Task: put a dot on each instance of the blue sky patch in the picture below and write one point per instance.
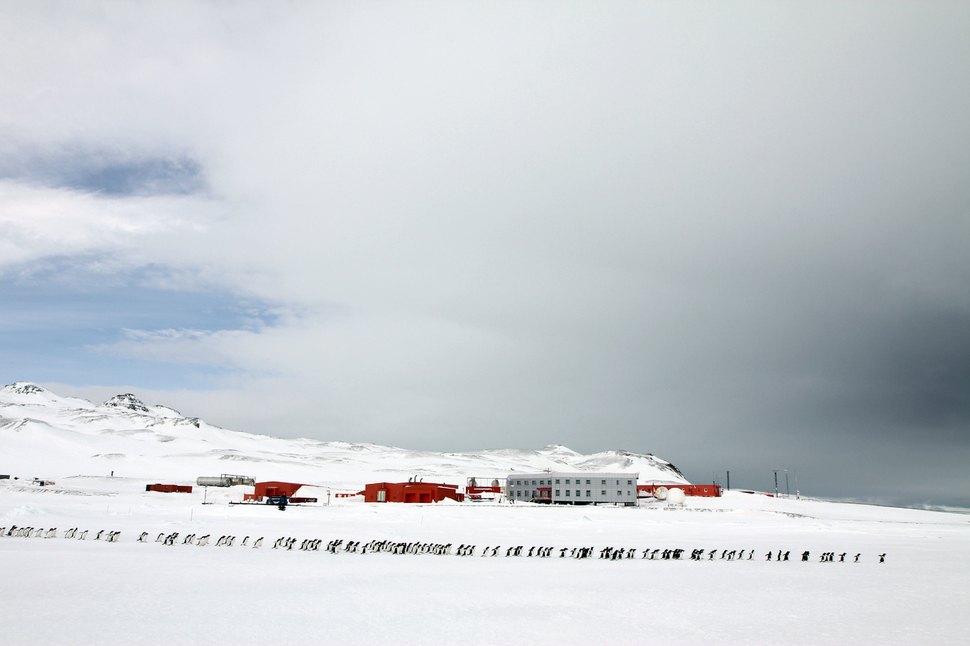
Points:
(53, 321)
(106, 172)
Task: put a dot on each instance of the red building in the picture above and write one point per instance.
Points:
(169, 488)
(411, 492)
(708, 490)
(274, 488)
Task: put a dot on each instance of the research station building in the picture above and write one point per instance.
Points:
(573, 488)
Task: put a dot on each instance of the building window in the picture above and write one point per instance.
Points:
(603, 493)
(557, 493)
(629, 482)
(518, 494)
(628, 492)
(617, 483)
(577, 493)
(587, 482)
(567, 493)
(542, 482)
(533, 483)
(557, 482)
(567, 481)
(619, 494)
(588, 493)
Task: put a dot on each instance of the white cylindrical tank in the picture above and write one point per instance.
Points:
(676, 496)
(660, 493)
(206, 481)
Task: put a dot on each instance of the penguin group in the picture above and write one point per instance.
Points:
(399, 547)
(35, 532)
(28, 532)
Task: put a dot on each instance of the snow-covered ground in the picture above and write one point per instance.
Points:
(71, 591)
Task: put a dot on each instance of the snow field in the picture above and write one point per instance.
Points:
(89, 592)
(70, 592)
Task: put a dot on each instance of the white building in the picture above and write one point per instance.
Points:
(573, 488)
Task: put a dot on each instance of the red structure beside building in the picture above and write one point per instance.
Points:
(474, 488)
(708, 490)
(274, 488)
(411, 492)
(169, 488)
(475, 493)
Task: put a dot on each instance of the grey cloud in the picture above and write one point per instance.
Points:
(735, 237)
(916, 375)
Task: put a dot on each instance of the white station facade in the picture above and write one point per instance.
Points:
(573, 488)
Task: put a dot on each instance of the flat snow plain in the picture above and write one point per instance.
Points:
(69, 591)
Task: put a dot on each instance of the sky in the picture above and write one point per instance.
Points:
(733, 235)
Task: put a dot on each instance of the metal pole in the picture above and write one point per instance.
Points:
(729, 481)
(787, 494)
(776, 482)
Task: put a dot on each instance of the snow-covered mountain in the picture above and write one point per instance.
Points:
(45, 435)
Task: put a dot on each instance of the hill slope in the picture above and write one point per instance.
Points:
(48, 436)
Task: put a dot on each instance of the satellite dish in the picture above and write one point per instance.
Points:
(660, 493)
(472, 483)
(495, 483)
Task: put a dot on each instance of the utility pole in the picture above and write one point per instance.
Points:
(787, 494)
(776, 482)
(729, 481)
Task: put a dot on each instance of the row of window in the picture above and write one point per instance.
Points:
(543, 482)
(589, 494)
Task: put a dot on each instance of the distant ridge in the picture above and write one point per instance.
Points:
(49, 436)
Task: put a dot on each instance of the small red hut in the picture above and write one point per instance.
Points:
(275, 488)
(169, 488)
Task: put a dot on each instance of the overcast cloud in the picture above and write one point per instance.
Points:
(734, 235)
